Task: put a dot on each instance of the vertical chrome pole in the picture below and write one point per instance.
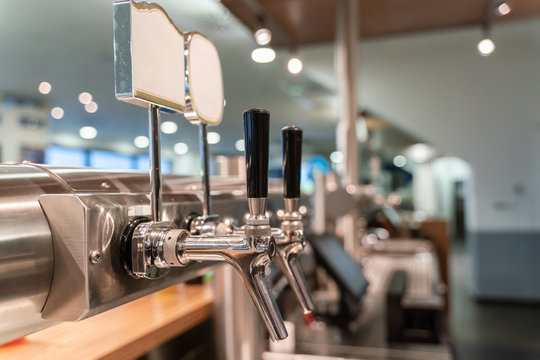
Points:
(155, 162)
(205, 171)
(318, 225)
(345, 60)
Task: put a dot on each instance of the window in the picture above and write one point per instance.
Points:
(142, 162)
(62, 156)
(100, 159)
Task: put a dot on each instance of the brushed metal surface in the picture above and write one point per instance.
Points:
(239, 332)
(83, 223)
(82, 212)
(26, 254)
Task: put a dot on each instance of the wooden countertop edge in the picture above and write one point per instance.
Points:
(144, 344)
(171, 312)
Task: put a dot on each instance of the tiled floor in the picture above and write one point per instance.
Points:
(489, 330)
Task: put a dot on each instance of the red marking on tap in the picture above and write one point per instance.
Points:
(16, 341)
(308, 316)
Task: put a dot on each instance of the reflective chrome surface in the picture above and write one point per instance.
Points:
(26, 250)
(257, 223)
(205, 169)
(155, 161)
(290, 243)
(53, 223)
(257, 207)
(83, 223)
(288, 249)
(165, 247)
(210, 224)
(239, 332)
(249, 256)
(291, 206)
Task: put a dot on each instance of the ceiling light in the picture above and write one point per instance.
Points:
(263, 36)
(57, 112)
(91, 107)
(362, 132)
(213, 137)
(486, 47)
(85, 98)
(88, 132)
(400, 161)
(504, 9)
(168, 127)
(336, 157)
(141, 142)
(263, 55)
(295, 65)
(240, 145)
(44, 87)
(181, 148)
(420, 153)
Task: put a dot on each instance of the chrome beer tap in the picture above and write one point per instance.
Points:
(159, 246)
(290, 239)
(181, 73)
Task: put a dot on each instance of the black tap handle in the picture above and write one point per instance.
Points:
(291, 140)
(256, 134)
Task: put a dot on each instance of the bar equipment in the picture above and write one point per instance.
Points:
(154, 247)
(197, 64)
(160, 245)
(99, 238)
(290, 238)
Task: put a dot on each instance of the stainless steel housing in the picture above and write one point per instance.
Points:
(290, 243)
(60, 244)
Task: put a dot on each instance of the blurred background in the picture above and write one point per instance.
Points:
(448, 125)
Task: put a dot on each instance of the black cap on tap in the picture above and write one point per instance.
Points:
(256, 138)
(291, 139)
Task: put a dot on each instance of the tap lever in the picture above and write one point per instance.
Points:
(257, 229)
(291, 241)
(256, 133)
(291, 138)
(258, 287)
(289, 246)
(248, 255)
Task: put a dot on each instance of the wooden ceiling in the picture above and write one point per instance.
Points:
(313, 21)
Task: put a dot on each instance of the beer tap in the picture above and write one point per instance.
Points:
(158, 246)
(290, 238)
(158, 66)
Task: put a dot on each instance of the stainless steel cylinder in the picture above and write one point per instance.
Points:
(26, 249)
(28, 252)
(40, 236)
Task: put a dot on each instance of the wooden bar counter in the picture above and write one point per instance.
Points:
(126, 332)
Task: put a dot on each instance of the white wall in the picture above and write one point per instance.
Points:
(485, 110)
(446, 171)
(425, 196)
